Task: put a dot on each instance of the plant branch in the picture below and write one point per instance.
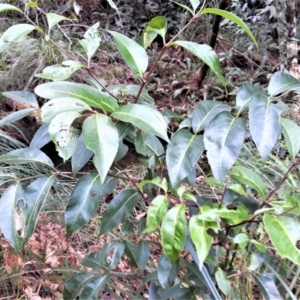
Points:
(145, 80)
(97, 80)
(213, 38)
(293, 167)
(271, 194)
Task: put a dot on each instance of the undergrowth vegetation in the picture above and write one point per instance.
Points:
(137, 199)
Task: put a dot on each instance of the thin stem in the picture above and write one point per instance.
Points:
(98, 81)
(144, 80)
(128, 178)
(232, 257)
(279, 184)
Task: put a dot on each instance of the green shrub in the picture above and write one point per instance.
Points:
(231, 242)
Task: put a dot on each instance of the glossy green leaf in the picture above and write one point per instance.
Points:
(282, 82)
(164, 272)
(159, 25)
(122, 151)
(23, 97)
(200, 238)
(81, 156)
(189, 196)
(15, 33)
(205, 111)
(241, 239)
(83, 202)
(237, 188)
(127, 228)
(195, 4)
(62, 105)
(63, 135)
(41, 137)
(186, 123)
(16, 116)
(231, 216)
(100, 135)
(149, 162)
(206, 54)
(75, 283)
(223, 139)
(107, 258)
(153, 144)
(159, 182)
(143, 251)
(259, 246)
(4, 7)
(232, 17)
(182, 154)
(12, 219)
(92, 290)
(32, 4)
(282, 281)
(173, 232)
(140, 146)
(222, 281)
(53, 19)
(108, 185)
(267, 286)
(143, 117)
(256, 260)
(176, 291)
(89, 95)
(60, 71)
(247, 177)
(118, 209)
(184, 7)
(133, 54)
(148, 144)
(147, 38)
(291, 133)
(113, 5)
(131, 252)
(156, 212)
(25, 156)
(264, 123)
(245, 94)
(91, 41)
(36, 194)
(284, 233)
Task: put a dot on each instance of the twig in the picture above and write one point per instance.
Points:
(215, 30)
(271, 194)
(98, 81)
(293, 167)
